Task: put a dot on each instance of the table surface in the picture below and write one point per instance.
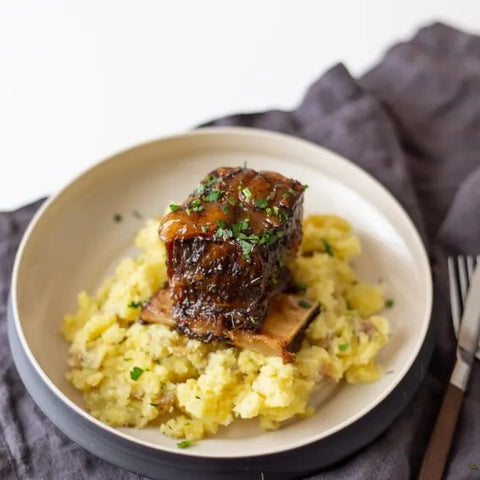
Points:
(82, 80)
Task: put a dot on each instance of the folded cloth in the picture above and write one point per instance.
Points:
(413, 122)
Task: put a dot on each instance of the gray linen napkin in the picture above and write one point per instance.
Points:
(414, 123)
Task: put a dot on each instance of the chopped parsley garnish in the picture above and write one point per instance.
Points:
(301, 286)
(134, 304)
(247, 192)
(231, 201)
(200, 189)
(197, 205)
(473, 466)
(117, 218)
(304, 304)
(285, 195)
(222, 230)
(292, 192)
(136, 373)
(174, 207)
(282, 216)
(240, 226)
(204, 228)
(240, 204)
(197, 397)
(269, 211)
(304, 187)
(225, 209)
(343, 347)
(276, 211)
(269, 237)
(214, 195)
(244, 164)
(184, 444)
(127, 359)
(247, 248)
(211, 180)
(188, 211)
(154, 404)
(327, 248)
(261, 203)
(273, 281)
(389, 303)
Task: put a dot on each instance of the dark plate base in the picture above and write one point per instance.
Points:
(162, 465)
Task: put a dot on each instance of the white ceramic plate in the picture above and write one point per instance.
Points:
(73, 241)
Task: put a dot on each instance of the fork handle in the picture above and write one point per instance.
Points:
(438, 448)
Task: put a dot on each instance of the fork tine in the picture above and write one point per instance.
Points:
(462, 276)
(454, 297)
(470, 268)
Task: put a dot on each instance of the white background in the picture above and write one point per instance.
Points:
(80, 80)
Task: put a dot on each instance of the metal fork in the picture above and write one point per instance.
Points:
(460, 271)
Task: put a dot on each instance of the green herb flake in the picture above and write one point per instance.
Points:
(164, 285)
(276, 211)
(174, 207)
(343, 347)
(301, 286)
(214, 195)
(136, 373)
(239, 227)
(273, 281)
(204, 228)
(127, 359)
(304, 304)
(389, 303)
(197, 397)
(247, 248)
(292, 192)
(231, 201)
(200, 189)
(117, 218)
(473, 466)
(269, 211)
(247, 192)
(327, 248)
(188, 211)
(221, 223)
(225, 209)
(244, 164)
(184, 444)
(154, 404)
(134, 304)
(261, 203)
(211, 180)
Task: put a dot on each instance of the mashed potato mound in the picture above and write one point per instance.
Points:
(132, 374)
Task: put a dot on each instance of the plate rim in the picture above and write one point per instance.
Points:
(245, 131)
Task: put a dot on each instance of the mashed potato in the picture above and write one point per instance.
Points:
(132, 374)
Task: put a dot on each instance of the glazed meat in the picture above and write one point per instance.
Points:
(228, 246)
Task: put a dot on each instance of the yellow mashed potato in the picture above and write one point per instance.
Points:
(133, 374)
